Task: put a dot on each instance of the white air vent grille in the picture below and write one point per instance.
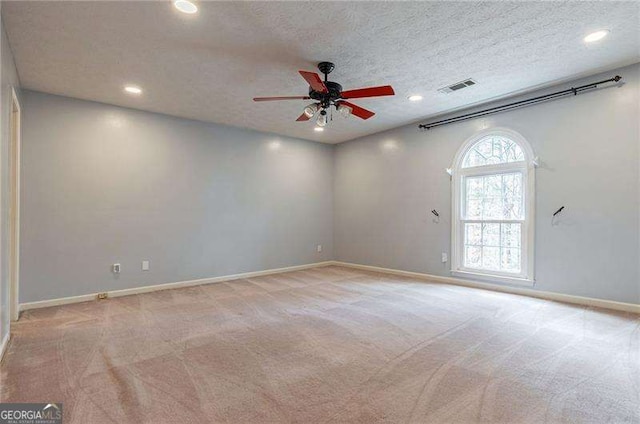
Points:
(458, 86)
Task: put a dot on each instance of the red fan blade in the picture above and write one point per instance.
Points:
(385, 90)
(358, 111)
(314, 81)
(268, 99)
(303, 117)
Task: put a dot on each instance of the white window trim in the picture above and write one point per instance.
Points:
(527, 167)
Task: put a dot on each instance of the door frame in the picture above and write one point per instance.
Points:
(15, 145)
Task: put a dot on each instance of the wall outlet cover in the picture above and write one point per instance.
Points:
(145, 265)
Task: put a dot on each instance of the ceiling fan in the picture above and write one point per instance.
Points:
(328, 93)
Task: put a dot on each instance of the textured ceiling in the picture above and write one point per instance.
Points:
(210, 65)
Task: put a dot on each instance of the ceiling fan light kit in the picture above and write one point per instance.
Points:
(311, 110)
(328, 93)
(344, 111)
(322, 118)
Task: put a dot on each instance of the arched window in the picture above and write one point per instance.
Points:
(493, 204)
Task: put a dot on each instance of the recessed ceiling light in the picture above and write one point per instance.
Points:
(595, 36)
(185, 6)
(132, 89)
(318, 129)
(415, 98)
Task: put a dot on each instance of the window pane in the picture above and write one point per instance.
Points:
(511, 260)
(491, 235)
(510, 235)
(474, 208)
(512, 189)
(493, 246)
(473, 257)
(492, 186)
(492, 150)
(491, 258)
(494, 197)
(475, 187)
(492, 208)
(473, 234)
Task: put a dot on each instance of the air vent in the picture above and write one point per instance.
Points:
(458, 86)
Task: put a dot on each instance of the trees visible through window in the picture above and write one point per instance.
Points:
(493, 150)
(492, 207)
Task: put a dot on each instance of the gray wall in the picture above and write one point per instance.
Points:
(8, 78)
(103, 184)
(386, 185)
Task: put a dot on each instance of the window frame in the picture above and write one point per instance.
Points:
(458, 176)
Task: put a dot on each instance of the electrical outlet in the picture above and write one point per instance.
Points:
(445, 257)
(145, 265)
(102, 296)
(319, 248)
(115, 268)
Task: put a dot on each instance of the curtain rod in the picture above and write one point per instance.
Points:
(573, 90)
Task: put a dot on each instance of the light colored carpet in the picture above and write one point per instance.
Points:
(327, 345)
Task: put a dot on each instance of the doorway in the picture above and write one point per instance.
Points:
(14, 206)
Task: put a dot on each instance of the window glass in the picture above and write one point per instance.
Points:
(492, 230)
(493, 246)
(494, 197)
(493, 150)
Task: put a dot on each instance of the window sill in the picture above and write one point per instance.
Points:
(489, 278)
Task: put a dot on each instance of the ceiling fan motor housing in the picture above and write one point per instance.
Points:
(334, 89)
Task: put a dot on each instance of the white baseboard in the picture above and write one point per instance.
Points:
(4, 344)
(587, 301)
(166, 286)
